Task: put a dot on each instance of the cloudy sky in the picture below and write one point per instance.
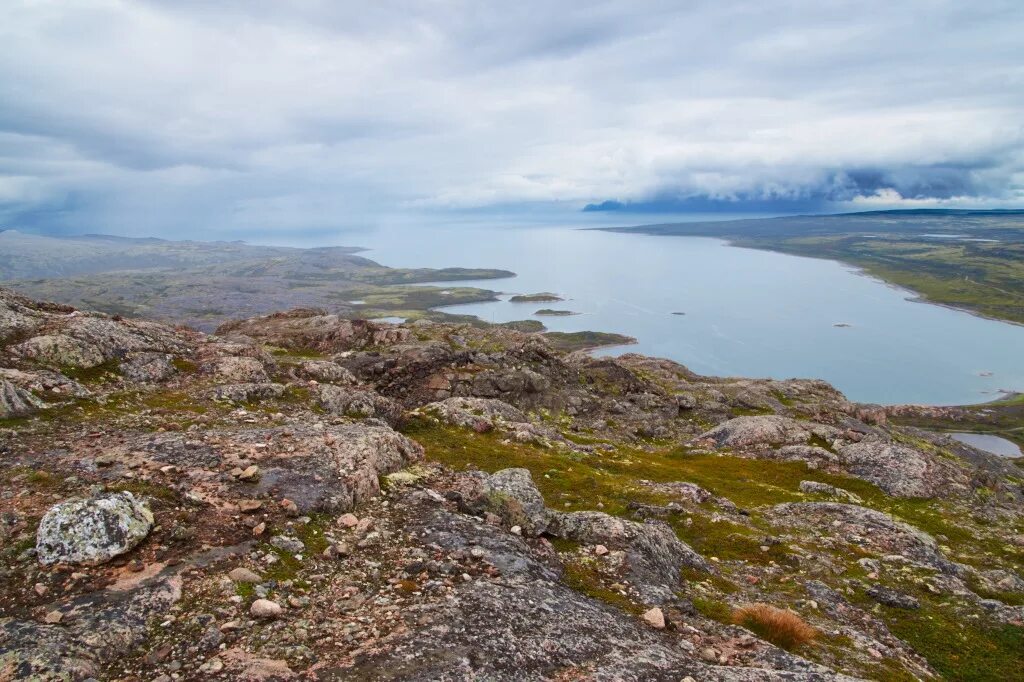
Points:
(241, 117)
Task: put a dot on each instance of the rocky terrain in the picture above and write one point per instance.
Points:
(204, 284)
(305, 496)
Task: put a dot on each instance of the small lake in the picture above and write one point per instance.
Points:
(994, 444)
(745, 312)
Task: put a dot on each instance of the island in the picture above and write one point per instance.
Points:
(543, 297)
(555, 313)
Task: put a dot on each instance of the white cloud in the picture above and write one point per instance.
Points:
(146, 115)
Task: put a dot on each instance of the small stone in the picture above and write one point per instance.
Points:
(287, 544)
(516, 530)
(708, 654)
(348, 520)
(250, 473)
(289, 507)
(53, 617)
(600, 550)
(336, 551)
(244, 575)
(40, 589)
(249, 506)
(258, 529)
(264, 608)
(655, 618)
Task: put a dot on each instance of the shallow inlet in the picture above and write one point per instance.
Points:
(748, 313)
(989, 443)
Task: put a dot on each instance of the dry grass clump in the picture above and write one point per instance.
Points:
(780, 627)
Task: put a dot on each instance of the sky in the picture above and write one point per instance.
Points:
(244, 117)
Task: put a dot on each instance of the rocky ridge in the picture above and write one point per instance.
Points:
(306, 496)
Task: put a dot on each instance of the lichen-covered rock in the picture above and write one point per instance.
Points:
(147, 368)
(814, 487)
(240, 370)
(90, 339)
(512, 494)
(44, 381)
(327, 372)
(471, 413)
(92, 531)
(867, 529)
(333, 469)
(239, 393)
(357, 402)
(654, 553)
(901, 471)
(16, 401)
(766, 429)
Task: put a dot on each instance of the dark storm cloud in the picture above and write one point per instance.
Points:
(255, 116)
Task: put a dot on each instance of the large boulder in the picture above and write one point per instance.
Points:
(768, 429)
(902, 471)
(654, 553)
(147, 368)
(331, 469)
(359, 402)
(240, 370)
(92, 531)
(875, 531)
(327, 372)
(512, 494)
(474, 413)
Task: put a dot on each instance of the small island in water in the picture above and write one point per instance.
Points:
(555, 313)
(543, 297)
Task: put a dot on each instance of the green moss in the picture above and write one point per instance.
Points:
(145, 489)
(959, 648)
(715, 609)
(102, 373)
(584, 578)
(184, 366)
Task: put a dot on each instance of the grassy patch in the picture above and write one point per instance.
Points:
(102, 373)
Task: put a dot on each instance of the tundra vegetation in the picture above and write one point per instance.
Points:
(304, 493)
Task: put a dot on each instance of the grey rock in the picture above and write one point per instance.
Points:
(239, 393)
(288, 544)
(358, 402)
(894, 598)
(147, 368)
(654, 553)
(830, 490)
(327, 371)
(512, 494)
(766, 430)
(92, 531)
(901, 471)
(16, 401)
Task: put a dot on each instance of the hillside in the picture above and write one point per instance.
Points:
(204, 284)
(972, 260)
(302, 495)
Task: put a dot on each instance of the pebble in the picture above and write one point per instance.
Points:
(264, 608)
(53, 617)
(600, 550)
(244, 575)
(348, 520)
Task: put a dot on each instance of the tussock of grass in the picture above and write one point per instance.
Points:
(780, 627)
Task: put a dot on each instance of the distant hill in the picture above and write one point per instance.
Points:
(964, 258)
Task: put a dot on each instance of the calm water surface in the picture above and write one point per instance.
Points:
(747, 312)
(988, 443)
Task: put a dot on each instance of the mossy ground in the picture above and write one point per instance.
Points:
(611, 480)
